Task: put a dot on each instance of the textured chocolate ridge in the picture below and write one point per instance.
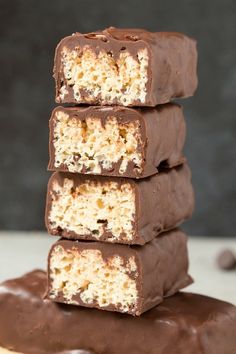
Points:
(171, 69)
(183, 324)
(163, 132)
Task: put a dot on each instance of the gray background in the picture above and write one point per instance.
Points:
(29, 32)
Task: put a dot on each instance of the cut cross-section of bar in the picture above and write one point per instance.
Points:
(92, 207)
(84, 274)
(116, 277)
(125, 67)
(116, 141)
(119, 210)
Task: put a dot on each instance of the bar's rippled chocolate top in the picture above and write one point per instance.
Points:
(183, 324)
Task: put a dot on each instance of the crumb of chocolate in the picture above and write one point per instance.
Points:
(226, 260)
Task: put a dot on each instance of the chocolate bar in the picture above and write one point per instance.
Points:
(117, 277)
(116, 141)
(119, 210)
(128, 67)
(183, 324)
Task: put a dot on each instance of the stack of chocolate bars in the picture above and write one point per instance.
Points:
(121, 185)
(120, 188)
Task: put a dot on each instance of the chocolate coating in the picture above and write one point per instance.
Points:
(183, 324)
(226, 260)
(163, 132)
(157, 278)
(163, 202)
(6, 351)
(171, 69)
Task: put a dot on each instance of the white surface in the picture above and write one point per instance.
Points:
(22, 252)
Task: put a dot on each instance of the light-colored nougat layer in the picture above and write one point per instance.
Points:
(6, 351)
(97, 280)
(93, 208)
(91, 145)
(122, 80)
